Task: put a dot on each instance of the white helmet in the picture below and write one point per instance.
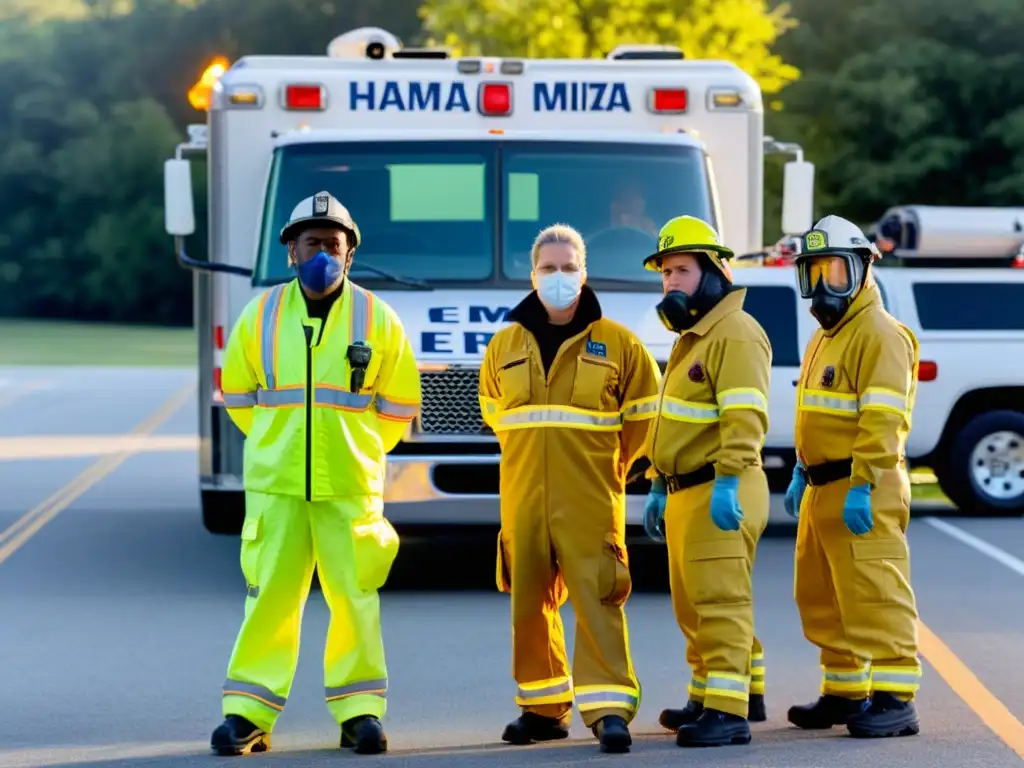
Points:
(834, 254)
(321, 208)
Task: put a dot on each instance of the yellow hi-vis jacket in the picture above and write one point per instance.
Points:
(714, 402)
(857, 388)
(307, 434)
(568, 438)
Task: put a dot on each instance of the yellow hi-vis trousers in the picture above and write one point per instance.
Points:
(854, 593)
(352, 546)
(579, 553)
(710, 577)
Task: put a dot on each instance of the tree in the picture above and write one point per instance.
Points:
(741, 31)
(909, 101)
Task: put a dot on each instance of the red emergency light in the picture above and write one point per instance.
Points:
(305, 97)
(495, 99)
(668, 100)
(927, 371)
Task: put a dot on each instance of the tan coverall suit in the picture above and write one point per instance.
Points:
(712, 421)
(857, 390)
(567, 440)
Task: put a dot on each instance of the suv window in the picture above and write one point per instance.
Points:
(774, 307)
(970, 306)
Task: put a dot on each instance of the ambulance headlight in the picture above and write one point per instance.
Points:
(375, 50)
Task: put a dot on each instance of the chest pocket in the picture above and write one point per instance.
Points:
(514, 380)
(595, 378)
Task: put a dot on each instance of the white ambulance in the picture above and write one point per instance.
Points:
(450, 167)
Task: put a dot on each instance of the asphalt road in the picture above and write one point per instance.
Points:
(119, 611)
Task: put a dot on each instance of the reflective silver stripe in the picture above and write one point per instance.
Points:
(268, 346)
(606, 697)
(557, 418)
(830, 403)
(252, 591)
(884, 400)
(742, 399)
(848, 677)
(360, 313)
(908, 678)
(395, 410)
(697, 685)
(717, 683)
(549, 690)
(239, 400)
(649, 408)
(371, 687)
(689, 411)
(274, 397)
(756, 661)
(342, 398)
(258, 692)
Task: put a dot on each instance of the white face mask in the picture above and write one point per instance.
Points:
(559, 289)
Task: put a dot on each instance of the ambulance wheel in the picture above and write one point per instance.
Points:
(223, 512)
(985, 473)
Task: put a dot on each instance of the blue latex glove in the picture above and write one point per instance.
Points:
(654, 510)
(725, 509)
(795, 491)
(857, 510)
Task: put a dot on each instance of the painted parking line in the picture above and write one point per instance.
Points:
(25, 527)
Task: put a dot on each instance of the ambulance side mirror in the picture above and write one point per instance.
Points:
(797, 197)
(179, 209)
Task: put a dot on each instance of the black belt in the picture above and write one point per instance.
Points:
(829, 472)
(675, 483)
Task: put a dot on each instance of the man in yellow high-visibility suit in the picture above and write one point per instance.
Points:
(569, 394)
(856, 394)
(709, 493)
(321, 378)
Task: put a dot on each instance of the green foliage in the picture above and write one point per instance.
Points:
(742, 31)
(908, 101)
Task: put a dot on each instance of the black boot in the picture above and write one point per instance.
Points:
(714, 729)
(674, 719)
(827, 711)
(530, 727)
(887, 716)
(613, 733)
(237, 736)
(364, 734)
(756, 712)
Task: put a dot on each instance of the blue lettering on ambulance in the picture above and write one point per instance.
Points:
(473, 342)
(408, 97)
(580, 97)
(488, 314)
(443, 314)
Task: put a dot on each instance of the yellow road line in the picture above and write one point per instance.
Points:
(968, 687)
(25, 527)
(8, 396)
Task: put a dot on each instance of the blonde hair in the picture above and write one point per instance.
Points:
(560, 233)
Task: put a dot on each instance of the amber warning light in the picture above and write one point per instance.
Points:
(199, 94)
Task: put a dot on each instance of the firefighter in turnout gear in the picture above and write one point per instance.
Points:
(321, 378)
(569, 395)
(851, 491)
(709, 493)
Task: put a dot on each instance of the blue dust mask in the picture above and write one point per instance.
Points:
(320, 272)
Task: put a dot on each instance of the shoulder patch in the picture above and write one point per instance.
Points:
(597, 349)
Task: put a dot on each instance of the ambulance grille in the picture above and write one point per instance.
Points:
(451, 406)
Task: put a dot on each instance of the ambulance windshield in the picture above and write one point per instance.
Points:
(457, 213)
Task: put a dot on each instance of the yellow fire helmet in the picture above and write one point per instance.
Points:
(688, 234)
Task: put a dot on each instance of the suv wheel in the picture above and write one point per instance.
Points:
(985, 473)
